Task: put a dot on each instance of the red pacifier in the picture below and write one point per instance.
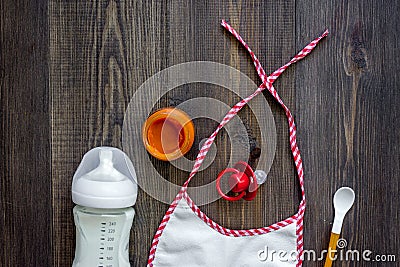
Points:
(242, 181)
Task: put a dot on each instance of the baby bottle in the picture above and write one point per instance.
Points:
(104, 189)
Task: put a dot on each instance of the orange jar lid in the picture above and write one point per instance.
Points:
(168, 134)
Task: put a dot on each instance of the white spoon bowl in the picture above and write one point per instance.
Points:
(342, 201)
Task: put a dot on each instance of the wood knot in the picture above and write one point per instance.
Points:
(356, 60)
(255, 153)
(357, 53)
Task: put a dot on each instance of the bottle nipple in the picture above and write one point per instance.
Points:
(105, 172)
(105, 179)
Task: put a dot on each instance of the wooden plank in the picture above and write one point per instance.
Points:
(347, 100)
(96, 49)
(25, 192)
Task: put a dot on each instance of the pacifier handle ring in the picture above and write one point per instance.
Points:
(218, 185)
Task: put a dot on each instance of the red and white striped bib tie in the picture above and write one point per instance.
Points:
(267, 83)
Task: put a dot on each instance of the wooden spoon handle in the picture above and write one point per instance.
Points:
(331, 249)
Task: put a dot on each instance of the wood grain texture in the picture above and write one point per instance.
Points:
(25, 188)
(69, 69)
(347, 95)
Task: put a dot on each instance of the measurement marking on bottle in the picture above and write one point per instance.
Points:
(107, 243)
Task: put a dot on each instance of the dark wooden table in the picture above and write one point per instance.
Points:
(68, 70)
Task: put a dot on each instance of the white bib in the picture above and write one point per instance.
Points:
(187, 237)
(208, 247)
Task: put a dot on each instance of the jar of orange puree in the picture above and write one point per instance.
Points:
(168, 134)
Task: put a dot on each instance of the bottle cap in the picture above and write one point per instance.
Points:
(105, 178)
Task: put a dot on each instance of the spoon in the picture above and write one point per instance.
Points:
(342, 201)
